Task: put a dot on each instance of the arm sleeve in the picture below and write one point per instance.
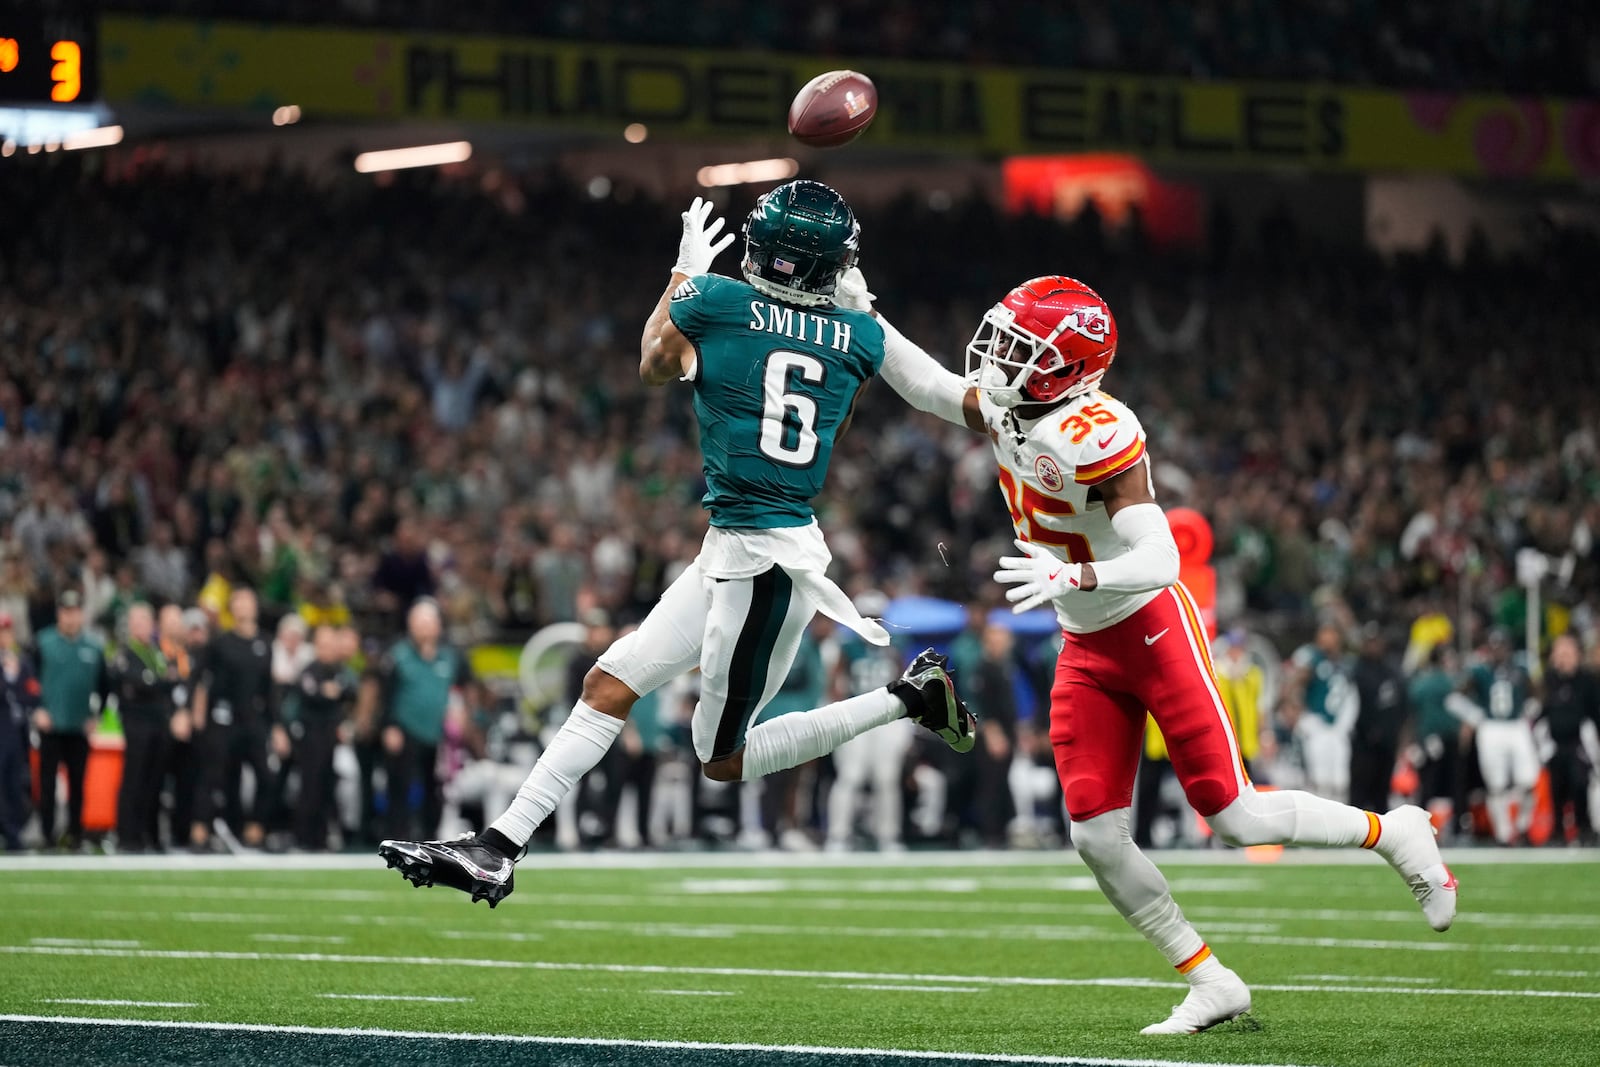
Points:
(1151, 561)
(920, 379)
(1459, 705)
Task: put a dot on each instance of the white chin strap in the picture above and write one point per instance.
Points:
(1001, 392)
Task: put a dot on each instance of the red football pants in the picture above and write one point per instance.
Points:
(1157, 659)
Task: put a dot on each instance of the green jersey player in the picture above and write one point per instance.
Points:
(776, 368)
(1497, 701)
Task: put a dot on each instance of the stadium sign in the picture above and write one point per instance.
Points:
(701, 93)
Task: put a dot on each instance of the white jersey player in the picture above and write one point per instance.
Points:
(1095, 546)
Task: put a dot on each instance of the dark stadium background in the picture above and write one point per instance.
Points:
(1351, 246)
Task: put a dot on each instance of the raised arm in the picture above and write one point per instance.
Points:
(665, 354)
(918, 378)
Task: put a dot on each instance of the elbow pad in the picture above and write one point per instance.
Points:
(1151, 561)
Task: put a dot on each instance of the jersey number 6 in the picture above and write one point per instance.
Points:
(789, 417)
(1027, 504)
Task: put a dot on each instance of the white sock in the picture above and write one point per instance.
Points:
(1499, 805)
(1294, 817)
(1163, 925)
(790, 740)
(580, 744)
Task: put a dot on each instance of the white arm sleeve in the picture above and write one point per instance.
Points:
(1462, 707)
(919, 378)
(1151, 561)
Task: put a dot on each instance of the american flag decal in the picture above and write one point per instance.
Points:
(783, 265)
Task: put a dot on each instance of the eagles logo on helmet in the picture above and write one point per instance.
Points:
(1049, 339)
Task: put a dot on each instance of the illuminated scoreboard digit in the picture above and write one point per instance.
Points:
(47, 61)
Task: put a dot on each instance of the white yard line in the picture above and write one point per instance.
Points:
(580, 1042)
(296, 939)
(905, 988)
(693, 992)
(121, 1003)
(94, 942)
(1520, 973)
(394, 996)
(1365, 978)
(692, 861)
(756, 972)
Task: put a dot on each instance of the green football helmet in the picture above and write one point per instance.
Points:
(798, 240)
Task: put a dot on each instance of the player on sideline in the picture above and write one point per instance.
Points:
(1095, 545)
(776, 368)
(1497, 701)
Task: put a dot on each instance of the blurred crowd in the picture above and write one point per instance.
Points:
(1489, 45)
(319, 403)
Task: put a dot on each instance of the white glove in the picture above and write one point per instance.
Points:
(851, 291)
(1038, 576)
(698, 247)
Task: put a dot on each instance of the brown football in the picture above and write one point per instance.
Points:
(833, 108)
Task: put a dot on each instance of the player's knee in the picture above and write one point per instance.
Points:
(1237, 824)
(606, 694)
(727, 769)
(1209, 795)
(1088, 797)
(1101, 840)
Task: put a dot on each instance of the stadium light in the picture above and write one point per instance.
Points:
(757, 170)
(99, 137)
(428, 155)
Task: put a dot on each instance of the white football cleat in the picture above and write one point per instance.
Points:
(1217, 1000)
(1407, 841)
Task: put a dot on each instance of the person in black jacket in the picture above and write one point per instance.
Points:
(1375, 739)
(142, 680)
(323, 699)
(19, 695)
(235, 716)
(1571, 695)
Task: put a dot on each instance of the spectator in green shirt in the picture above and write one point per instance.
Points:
(415, 679)
(1437, 749)
(72, 682)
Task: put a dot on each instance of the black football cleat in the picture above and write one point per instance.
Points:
(466, 864)
(931, 702)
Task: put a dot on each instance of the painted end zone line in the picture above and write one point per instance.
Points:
(606, 1042)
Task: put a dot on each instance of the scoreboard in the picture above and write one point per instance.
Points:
(47, 60)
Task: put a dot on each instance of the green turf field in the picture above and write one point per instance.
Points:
(1009, 956)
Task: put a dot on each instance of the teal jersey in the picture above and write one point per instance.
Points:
(1428, 692)
(1501, 691)
(418, 689)
(71, 672)
(1328, 687)
(773, 385)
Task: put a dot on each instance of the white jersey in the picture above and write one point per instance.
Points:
(1048, 466)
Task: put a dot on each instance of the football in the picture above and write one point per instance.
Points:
(833, 108)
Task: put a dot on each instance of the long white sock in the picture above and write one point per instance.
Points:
(580, 744)
(1499, 805)
(790, 740)
(1294, 817)
(1137, 889)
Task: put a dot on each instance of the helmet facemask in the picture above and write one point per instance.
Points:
(1015, 366)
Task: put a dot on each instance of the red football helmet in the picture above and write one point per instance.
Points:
(1050, 339)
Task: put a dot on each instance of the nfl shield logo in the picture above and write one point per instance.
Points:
(781, 264)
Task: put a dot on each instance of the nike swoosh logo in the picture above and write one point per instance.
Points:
(1152, 639)
(1103, 442)
(1053, 575)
